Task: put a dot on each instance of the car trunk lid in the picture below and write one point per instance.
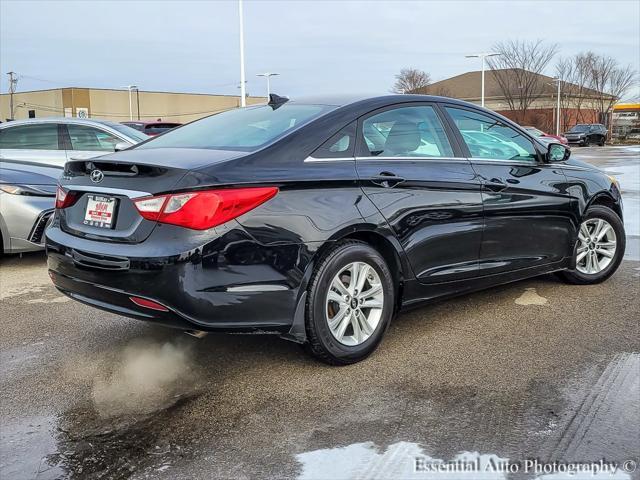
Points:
(105, 189)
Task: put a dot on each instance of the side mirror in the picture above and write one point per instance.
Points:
(121, 146)
(557, 153)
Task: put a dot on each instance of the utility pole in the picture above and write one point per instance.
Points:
(482, 56)
(243, 99)
(13, 83)
(268, 76)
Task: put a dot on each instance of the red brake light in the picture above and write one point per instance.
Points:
(65, 198)
(143, 302)
(205, 209)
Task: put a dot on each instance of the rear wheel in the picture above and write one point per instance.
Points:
(600, 247)
(349, 304)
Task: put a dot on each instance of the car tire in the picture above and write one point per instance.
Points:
(602, 142)
(361, 336)
(582, 274)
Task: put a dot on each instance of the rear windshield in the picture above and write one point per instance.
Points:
(244, 129)
(128, 131)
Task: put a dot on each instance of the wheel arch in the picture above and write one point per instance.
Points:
(605, 199)
(382, 240)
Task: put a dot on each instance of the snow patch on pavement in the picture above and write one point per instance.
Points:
(530, 297)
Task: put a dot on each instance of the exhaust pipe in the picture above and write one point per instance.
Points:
(196, 333)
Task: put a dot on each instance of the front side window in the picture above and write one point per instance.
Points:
(42, 136)
(243, 129)
(489, 138)
(414, 131)
(91, 139)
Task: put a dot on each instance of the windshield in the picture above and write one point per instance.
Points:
(244, 129)
(128, 131)
(580, 128)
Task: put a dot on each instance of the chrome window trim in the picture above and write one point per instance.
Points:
(429, 159)
(113, 191)
(504, 161)
(335, 159)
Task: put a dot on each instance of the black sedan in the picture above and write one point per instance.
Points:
(319, 220)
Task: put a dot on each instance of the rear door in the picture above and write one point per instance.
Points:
(526, 208)
(407, 166)
(33, 142)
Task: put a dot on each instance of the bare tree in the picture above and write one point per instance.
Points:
(410, 79)
(610, 82)
(517, 71)
(574, 73)
(594, 82)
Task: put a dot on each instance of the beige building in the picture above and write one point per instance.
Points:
(113, 105)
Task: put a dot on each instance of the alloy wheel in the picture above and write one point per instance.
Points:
(354, 303)
(597, 245)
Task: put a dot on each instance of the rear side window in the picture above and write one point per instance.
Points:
(243, 129)
(91, 139)
(339, 145)
(42, 136)
(406, 132)
(489, 138)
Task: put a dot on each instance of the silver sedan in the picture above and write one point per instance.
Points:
(53, 141)
(27, 200)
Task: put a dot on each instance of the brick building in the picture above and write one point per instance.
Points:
(577, 105)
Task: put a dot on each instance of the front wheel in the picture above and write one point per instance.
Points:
(600, 247)
(349, 304)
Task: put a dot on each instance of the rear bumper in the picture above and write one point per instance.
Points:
(231, 283)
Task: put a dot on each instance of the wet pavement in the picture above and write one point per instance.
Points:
(501, 383)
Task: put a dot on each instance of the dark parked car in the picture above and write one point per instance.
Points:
(587, 134)
(152, 128)
(318, 220)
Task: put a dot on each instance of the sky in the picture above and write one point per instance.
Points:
(317, 47)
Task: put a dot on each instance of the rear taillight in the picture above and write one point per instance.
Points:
(65, 198)
(203, 209)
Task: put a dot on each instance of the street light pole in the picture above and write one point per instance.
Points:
(558, 109)
(130, 88)
(243, 100)
(482, 56)
(268, 76)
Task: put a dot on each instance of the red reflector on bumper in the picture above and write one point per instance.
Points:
(143, 302)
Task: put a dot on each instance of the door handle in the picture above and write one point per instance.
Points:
(387, 179)
(495, 185)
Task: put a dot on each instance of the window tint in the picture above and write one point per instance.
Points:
(42, 136)
(91, 139)
(406, 132)
(338, 146)
(489, 138)
(244, 129)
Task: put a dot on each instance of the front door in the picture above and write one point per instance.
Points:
(407, 166)
(88, 142)
(527, 211)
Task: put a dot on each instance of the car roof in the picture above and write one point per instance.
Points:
(346, 99)
(81, 121)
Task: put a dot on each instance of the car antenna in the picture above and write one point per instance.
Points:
(276, 101)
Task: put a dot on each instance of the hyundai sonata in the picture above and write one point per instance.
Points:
(318, 220)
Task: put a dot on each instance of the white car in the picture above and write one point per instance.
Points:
(53, 141)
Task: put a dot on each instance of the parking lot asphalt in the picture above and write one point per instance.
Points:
(532, 370)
